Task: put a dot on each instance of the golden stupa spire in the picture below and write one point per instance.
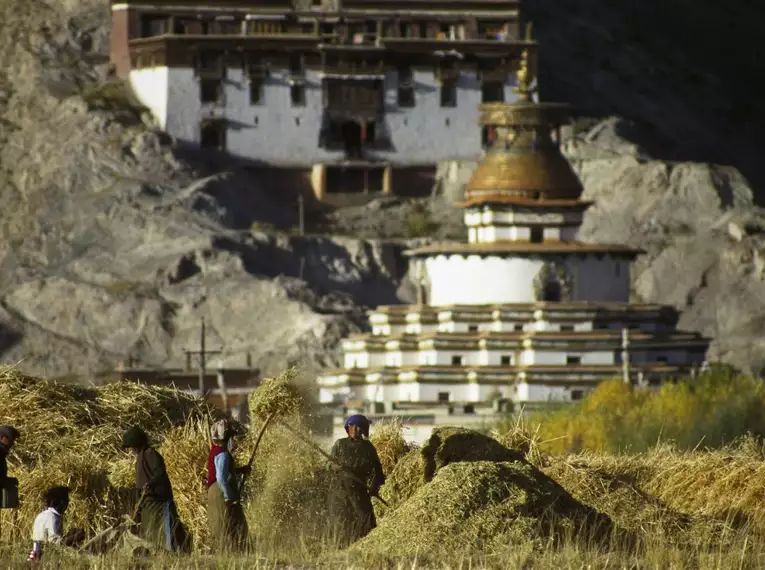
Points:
(523, 76)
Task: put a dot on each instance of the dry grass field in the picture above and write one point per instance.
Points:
(464, 500)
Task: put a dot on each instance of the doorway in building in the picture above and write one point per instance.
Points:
(354, 136)
(354, 179)
(553, 292)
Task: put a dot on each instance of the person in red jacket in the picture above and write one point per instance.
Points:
(225, 515)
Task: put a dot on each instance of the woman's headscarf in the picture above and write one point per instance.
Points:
(360, 421)
(220, 431)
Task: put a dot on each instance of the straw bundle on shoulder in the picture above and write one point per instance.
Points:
(287, 494)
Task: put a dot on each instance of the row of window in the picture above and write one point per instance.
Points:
(211, 92)
(357, 32)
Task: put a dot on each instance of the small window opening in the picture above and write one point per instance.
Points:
(210, 90)
(297, 95)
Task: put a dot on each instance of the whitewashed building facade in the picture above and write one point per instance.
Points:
(522, 311)
(329, 87)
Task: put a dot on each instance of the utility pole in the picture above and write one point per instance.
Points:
(625, 356)
(301, 227)
(301, 214)
(202, 354)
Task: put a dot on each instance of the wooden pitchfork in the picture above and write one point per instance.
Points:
(254, 449)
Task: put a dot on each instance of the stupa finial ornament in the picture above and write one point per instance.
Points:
(523, 79)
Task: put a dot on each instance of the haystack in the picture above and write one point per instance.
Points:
(477, 507)
(452, 444)
(446, 445)
(72, 436)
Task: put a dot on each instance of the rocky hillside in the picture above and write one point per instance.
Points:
(114, 242)
(112, 246)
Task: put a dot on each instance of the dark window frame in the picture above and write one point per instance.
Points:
(297, 95)
(211, 83)
(492, 92)
(448, 93)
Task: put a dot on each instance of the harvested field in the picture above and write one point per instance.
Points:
(464, 497)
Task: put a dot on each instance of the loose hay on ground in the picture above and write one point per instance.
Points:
(615, 492)
(478, 506)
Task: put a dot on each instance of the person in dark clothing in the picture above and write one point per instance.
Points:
(159, 516)
(225, 515)
(350, 505)
(8, 436)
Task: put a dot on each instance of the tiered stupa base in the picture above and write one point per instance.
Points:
(523, 352)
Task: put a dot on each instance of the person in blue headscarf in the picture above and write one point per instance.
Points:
(357, 475)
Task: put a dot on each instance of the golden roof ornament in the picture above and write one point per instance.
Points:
(523, 79)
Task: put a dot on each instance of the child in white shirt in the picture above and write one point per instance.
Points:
(49, 524)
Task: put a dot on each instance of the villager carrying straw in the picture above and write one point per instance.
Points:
(225, 515)
(354, 461)
(159, 520)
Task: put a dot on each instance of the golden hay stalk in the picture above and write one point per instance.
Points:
(278, 395)
(389, 442)
(72, 436)
(185, 451)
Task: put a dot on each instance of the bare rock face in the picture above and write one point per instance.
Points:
(113, 247)
(703, 238)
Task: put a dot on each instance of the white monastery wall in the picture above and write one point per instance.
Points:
(150, 86)
(478, 280)
(540, 393)
(276, 132)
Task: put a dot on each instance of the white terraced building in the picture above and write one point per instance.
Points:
(521, 311)
(352, 95)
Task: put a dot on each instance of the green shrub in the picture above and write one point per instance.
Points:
(112, 96)
(419, 223)
(710, 410)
